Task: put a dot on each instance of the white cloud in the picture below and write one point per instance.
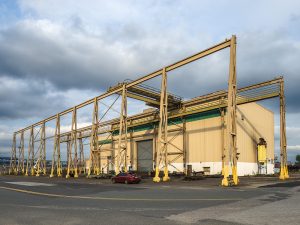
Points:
(61, 53)
(293, 148)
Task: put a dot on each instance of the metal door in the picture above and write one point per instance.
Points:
(145, 155)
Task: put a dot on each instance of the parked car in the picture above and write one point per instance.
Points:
(127, 178)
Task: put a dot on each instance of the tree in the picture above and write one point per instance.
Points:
(298, 159)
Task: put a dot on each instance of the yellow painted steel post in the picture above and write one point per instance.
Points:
(283, 153)
(13, 158)
(184, 145)
(72, 165)
(165, 127)
(44, 149)
(41, 162)
(58, 163)
(56, 158)
(74, 142)
(222, 138)
(122, 143)
(161, 151)
(30, 156)
(21, 154)
(230, 159)
(70, 161)
(94, 162)
(81, 156)
(69, 156)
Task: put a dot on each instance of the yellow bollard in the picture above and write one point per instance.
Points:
(235, 176)
(282, 173)
(166, 174)
(225, 173)
(156, 178)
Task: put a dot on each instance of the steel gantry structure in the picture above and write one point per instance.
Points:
(168, 106)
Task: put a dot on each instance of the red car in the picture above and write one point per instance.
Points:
(127, 178)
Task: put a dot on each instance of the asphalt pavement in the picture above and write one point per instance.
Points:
(41, 200)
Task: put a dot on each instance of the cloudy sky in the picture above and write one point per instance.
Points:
(55, 54)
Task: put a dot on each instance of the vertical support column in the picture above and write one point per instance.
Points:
(81, 156)
(122, 143)
(21, 167)
(69, 156)
(284, 174)
(56, 158)
(184, 146)
(41, 163)
(230, 159)
(73, 162)
(13, 158)
(30, 156)
(113, 153)
(155, 142)
(44, 148)
(132, 153)
(94, 161)
(162, 152)
(223, 148)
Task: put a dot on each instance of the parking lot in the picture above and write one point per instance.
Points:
(41, 200)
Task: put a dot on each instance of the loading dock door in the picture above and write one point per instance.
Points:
(145, 156)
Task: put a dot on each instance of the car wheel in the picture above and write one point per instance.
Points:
(113, 181)
(126, 181)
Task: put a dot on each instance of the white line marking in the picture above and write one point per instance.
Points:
(30, 184)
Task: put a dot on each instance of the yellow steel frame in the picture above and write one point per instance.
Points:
(30, 155)
(41, 162)
(161, 153)
(13, 158)
(121, 158)
(56, 158)
(73, 161)
(21, 167)
(81, 163)
(283, 154)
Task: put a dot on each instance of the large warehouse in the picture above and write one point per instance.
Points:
(204, 138)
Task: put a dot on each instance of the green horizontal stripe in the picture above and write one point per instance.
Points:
(150, 126)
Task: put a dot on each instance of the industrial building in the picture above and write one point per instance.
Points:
(204, 141)
(225, 132)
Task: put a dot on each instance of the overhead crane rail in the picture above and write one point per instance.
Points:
(204, 103)
(149, 95)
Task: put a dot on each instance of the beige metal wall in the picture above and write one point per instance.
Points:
(204, 138)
